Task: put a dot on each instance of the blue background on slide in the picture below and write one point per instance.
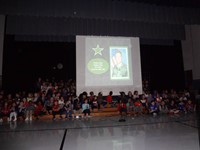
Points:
(123, 51)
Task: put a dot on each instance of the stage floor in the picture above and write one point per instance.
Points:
(103, 133)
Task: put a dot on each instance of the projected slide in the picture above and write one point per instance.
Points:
(119, 63)
(107, 63)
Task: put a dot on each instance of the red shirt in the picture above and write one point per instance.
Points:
(109, 99)
(39, 107)
(55, 107)
(121, 105)
(5, 110)
(26, 104)
(137, 103)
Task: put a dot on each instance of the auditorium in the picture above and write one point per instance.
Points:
(100, 75)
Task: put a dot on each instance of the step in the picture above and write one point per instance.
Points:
(96, 114)
(112, 109)
(102, 114)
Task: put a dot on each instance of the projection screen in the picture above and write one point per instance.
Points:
(106, 64)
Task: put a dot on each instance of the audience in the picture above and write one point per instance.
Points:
(59, 98)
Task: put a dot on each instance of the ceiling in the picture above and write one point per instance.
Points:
(53, 20)
(170, 3)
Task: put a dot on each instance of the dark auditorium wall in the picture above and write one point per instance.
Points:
(163, 66)
(24, 62)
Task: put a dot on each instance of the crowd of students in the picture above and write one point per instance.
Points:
(60, 99)
(164, 103)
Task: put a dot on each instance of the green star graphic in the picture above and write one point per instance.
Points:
(98, 50)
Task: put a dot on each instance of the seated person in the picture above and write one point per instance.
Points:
(190, 107)
(163, 108)
(91, 97)
(94, 103)
(13, 112)
(21, 110)
(68, 109)
(173, 108)
(137, 107)
(122, 110)
(39, 110)
(56, 110)
(181, 106)
(144, 103)
(135, 95)
(61, 103)
(29, 109)
(109, 98)
(130, 106)
(48, 104)
(77, 108)
(86, 108)
(99, 100)
(153, 108)
(5, 112)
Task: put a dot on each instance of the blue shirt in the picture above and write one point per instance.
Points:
(85, 106)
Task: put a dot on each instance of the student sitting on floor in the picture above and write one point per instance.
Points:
(137, 107)
(109, 99)
(13, 112)
(68, 108)
(144, 103)
(21, 110)
(99, 100)
(5, 112)
(77, 108)
(122, 110)
(29, 110)
(163, 108)
(61, 103)
(94, 103)
(91, 97)
(173, 108)
(56, 110)
(86, 108)
(190, 107)
(153, 108)
(39, 110)
(135, 95)
(130, 107)
(181, 106)
(48, 104)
